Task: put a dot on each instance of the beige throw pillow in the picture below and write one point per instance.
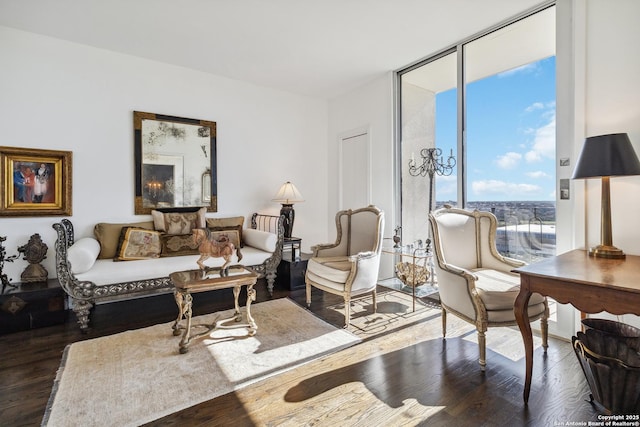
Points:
(108, 235)
(138, 243)
(178, 222)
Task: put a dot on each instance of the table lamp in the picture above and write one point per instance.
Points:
(602, 157)
(288, 195)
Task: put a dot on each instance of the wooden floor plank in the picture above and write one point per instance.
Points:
(412, 377)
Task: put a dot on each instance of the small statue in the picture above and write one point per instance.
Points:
(396, 236)
(34, 252)
(208, 247)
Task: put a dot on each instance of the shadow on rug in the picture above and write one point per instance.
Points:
(395, 311)
(138, 376)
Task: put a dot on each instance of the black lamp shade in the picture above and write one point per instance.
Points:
(607, 155)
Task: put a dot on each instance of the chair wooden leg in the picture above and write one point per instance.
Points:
(308, 295)
(375, 303)
(444, 323)
(347, 311)
(482, 343)
(544, 330)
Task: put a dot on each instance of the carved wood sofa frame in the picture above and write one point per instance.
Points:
(85, 294)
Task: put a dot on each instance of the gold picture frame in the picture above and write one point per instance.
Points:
(35, 182)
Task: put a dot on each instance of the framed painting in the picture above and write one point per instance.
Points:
(35, 182)
(175, 163)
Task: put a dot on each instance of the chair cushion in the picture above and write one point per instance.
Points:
(333, 269)
(498, 289)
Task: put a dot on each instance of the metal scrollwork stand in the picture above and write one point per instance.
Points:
(432, 164)
(6, 282)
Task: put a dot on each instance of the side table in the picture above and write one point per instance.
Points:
(32, 305)
(291, 272)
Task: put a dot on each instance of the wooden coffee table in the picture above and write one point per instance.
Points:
(193, 281)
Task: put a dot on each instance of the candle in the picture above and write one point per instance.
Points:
(413, 158)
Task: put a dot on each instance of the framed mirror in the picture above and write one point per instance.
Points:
(175, 163)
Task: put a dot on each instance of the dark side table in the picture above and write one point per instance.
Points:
(293, 265)
(32, 305)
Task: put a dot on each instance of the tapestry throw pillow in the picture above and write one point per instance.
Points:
(228, 224)
(232, 235)
(178, 222)
(138, 243)
(108, 235)
(178, 245)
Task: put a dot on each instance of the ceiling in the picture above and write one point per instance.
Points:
(318, 48)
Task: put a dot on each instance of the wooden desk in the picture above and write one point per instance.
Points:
(590, 284)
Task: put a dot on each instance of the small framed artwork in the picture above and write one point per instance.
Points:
(35, 182)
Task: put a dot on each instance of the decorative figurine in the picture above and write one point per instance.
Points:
(396, 237)
(34, 252)
(3, 276)
(208, 247)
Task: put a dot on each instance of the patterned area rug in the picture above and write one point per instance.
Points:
(138, 376)
(395, 311)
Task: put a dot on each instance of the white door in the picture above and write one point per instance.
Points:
(355, 170)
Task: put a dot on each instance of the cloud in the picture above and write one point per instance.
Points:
(509, 160)
(537, 174)
(534, 106)
(446, 186)
(544, 142)
(493, 186)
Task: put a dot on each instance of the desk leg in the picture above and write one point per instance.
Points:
(179, 300)
(520, 311)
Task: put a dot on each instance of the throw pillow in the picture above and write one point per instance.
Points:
(178, 222)
(228, 224)
(138, 243)
(108, 235)
(232, 235)
(178, 245)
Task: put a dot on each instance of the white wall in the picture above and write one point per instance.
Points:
(368, 107)
(64, 96)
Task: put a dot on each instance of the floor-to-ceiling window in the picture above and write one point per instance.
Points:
(486, 109)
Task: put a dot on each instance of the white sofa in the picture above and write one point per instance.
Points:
(89, 280)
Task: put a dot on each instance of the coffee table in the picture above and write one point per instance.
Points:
(193, 281)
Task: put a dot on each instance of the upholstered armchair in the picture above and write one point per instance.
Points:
(475, 282)
(349, 267)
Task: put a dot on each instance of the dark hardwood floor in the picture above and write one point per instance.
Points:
(409, 378)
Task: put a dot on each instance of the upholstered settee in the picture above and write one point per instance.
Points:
(113, 265)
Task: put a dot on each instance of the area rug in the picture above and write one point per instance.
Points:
(138, 376)
(395, 311)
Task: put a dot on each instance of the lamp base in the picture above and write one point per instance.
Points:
(289, 216)
(604, 251)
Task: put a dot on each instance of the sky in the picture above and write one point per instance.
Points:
(511, 123)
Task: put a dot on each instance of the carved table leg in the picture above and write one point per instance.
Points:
(251, 296)
(186, 310)
(179, 302)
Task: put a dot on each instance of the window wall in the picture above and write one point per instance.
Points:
(486, 108)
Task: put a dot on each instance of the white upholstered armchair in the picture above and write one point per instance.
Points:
(475, 282)
(349, 267)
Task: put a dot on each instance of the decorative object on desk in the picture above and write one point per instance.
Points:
(35, 182)
(220, 246)
(397, 241)
(431, 166)
(602, 157)
(34, 252)
(608, 354)
(3, 258)
(288, 195)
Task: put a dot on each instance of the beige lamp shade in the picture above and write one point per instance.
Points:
(288, 194)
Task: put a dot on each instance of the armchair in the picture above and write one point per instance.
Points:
(475, 282)
(349, 267)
